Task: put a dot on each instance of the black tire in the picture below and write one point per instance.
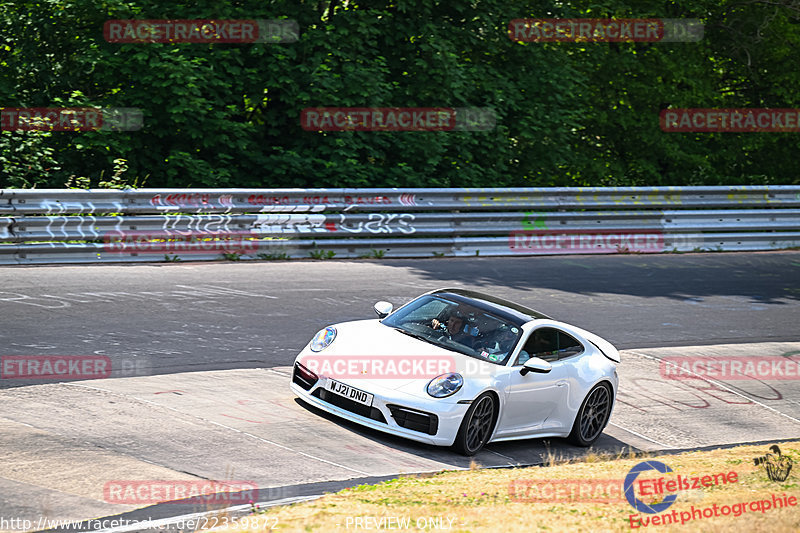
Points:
(592, 417)
(477, 426)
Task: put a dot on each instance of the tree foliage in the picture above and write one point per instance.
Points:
(228, 115)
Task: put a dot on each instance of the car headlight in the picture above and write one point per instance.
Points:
(322, 339)
(445, 385)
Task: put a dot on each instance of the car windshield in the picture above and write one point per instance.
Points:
(456, 325)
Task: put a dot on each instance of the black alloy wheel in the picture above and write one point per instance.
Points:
(476, 428)
(592, 416)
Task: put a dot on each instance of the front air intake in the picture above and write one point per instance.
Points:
(304, 377)
(415, 420)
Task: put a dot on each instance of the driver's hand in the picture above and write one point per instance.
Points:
(435, 324)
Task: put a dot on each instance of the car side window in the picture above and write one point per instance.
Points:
(543, 343)
(549, 344)
(568, 346)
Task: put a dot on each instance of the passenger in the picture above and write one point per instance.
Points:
(499, 343)
(503, 340)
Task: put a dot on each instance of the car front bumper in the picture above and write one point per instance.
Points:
(390, 409)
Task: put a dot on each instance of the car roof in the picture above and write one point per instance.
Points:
(511, 311)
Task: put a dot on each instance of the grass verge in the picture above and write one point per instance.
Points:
(566, 497)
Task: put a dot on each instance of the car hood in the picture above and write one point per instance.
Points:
(368, 342)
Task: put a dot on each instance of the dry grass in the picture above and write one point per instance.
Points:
(480, 500)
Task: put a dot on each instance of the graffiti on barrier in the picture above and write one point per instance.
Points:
(290, 223)
(379, 223)
(198, 223)
(323, 200)
(84, 227)
(190, 200)
(49, 207)
(367, 200)
(318, 223)
(533, 221)
(262, 199)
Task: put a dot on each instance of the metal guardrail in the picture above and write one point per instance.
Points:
(80, 226)
(165, 201)
(322, 225)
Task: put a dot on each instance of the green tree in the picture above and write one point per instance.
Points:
(228, 115)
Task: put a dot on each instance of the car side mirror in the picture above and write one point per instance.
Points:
(536, 364)
(382, 309)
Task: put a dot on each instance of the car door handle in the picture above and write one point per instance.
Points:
(561, 383)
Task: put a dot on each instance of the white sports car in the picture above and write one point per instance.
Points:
(460, 368)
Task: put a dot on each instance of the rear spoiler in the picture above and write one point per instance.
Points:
(605, 347)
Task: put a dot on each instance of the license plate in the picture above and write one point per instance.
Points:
(349, 392)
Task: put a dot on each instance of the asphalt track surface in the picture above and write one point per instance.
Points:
(200, 355)
(168, 318)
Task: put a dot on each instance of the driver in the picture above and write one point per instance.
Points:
(454, 328)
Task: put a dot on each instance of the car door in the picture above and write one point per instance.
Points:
(532, 399)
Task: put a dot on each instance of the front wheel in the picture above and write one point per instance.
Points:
(476, 428)
(592, 416)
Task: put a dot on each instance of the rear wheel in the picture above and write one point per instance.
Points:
(592, 416)
(476, 428)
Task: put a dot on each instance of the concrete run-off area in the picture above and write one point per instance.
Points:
(67, 443)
